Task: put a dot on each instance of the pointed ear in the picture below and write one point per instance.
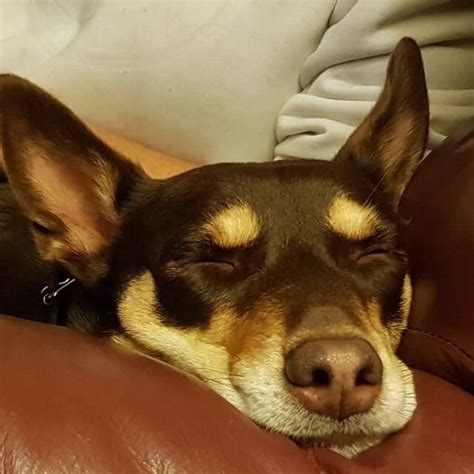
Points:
(391, 141)
(66, 181)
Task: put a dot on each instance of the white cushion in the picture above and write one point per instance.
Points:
(195, 79)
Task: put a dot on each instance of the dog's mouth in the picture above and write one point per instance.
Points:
(348, 436)
(343, 444)
(282, 412)
(335, 440)
(340, 441)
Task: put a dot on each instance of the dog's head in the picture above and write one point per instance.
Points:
(282, 285)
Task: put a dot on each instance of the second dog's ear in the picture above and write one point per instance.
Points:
(66, 181)
(391, 141)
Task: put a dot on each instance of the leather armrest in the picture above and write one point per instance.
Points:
(71, 403)
(439, 204)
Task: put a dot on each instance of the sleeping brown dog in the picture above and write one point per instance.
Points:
(282, 285)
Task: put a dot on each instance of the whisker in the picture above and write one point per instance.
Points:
(367, 201)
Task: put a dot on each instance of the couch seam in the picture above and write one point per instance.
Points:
(442, 339)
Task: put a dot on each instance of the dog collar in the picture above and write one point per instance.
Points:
(50, 294)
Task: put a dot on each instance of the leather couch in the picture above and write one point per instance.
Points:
(70, 403)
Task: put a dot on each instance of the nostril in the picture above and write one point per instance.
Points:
(363, 377)
(369, 374)
(321, 378)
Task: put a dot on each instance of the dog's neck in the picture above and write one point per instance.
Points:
(83, 309)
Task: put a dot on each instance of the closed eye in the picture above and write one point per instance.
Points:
(226, 266)
(373, 251)
(213, 260)
(379, 252)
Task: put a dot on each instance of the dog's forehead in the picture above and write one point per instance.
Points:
(292, 197)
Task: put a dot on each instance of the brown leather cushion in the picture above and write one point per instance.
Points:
(440, 239)
(73, 403)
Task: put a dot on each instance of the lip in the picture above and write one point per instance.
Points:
(336, 440)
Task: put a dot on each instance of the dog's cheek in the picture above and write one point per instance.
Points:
(388, 318)
(190, 349)
(398, 324)
(190, 308)
(257, 339)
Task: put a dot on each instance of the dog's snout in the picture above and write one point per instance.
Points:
(334, 377)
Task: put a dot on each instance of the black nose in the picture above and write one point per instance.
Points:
(334, 377)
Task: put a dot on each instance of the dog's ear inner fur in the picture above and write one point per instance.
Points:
(66, 181)
(391, 141)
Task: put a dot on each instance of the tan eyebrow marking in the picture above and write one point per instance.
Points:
(351, 219)
(235, 226)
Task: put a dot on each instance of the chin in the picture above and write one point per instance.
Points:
(271, 406)
(347, 446)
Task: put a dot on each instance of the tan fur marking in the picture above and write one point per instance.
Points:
(396, 330)
(201, 352)
(3, 171)
(235, 226)
(406, 296)
(141, 318)
(372, 317)
(250, 335)
(352, 220)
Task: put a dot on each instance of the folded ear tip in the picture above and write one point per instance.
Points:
(19, 97)
(11, 82)
(408, 42)
(406, 67)
(6, 78)
(407, 49)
